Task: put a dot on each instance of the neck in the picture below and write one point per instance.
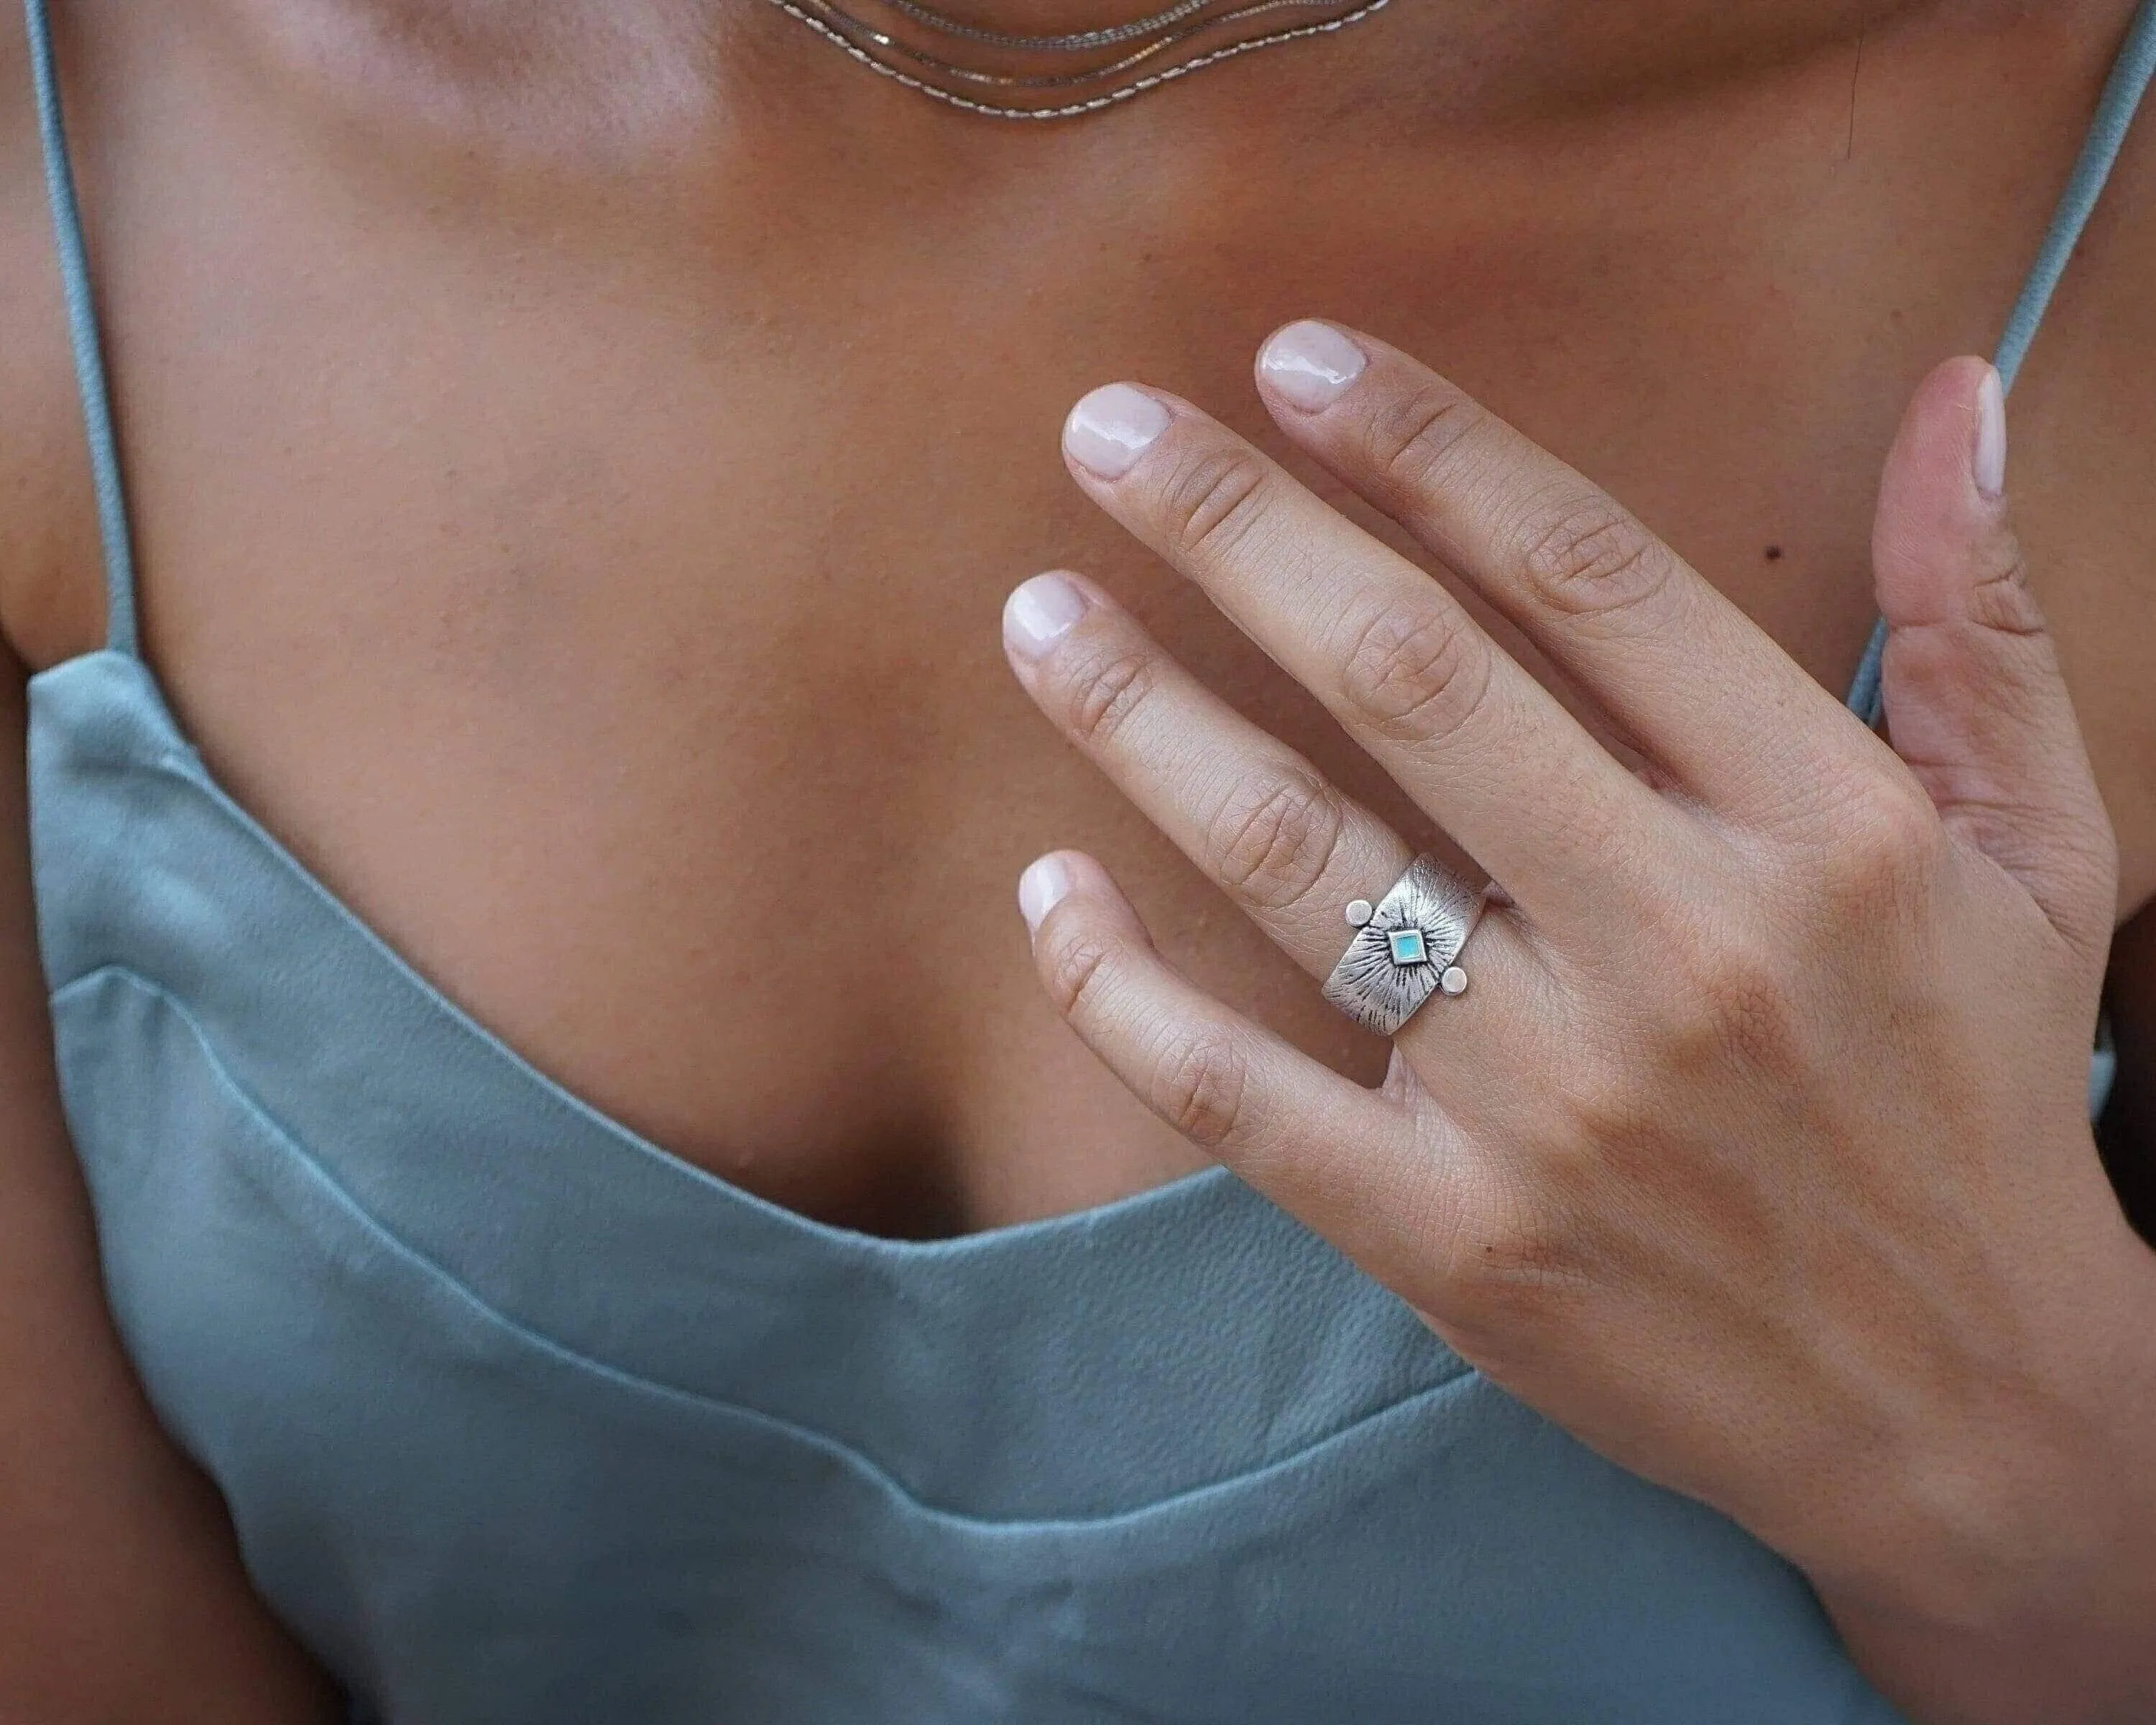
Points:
(1669, 21)
(1454, 61)
(1649, 36)
(639, 69)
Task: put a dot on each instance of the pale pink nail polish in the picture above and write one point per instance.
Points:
(1987, 460)
(1042, 887)
(1040, 612)
(1309, 364)
(1110, 427)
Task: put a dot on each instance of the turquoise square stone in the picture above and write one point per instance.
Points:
(1409, 946)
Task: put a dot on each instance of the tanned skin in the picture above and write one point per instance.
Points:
(578, 455)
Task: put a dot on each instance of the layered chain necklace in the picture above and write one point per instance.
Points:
(1141, 52)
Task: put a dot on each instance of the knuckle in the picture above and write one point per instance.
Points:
(1888, 845)
(1210, 500)
(1416, 670)
(1587, 556)
(1741, 1006)
(1511, 1253)
(1101, 688)
(1605, 1107)
(1199, 1083)
(1408, 440)
(2000, 597)
(1274, 840)
(1075, 968)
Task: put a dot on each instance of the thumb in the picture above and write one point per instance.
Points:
(1974, 700)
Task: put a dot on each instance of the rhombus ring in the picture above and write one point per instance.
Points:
(1405, 947)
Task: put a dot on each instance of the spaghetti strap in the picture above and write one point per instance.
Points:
(119, 625)
(2131, 75)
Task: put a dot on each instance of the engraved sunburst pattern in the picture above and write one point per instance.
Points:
(1397, 957)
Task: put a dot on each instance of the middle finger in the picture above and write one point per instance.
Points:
(1483, 748)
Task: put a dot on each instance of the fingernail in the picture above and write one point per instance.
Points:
(1040, 612)
(1041, 888)
(1988, 461)
(1109, 428)
(1309, 363)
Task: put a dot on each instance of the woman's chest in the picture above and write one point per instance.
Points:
(612, 621)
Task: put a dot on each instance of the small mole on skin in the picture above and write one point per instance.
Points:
(1773, 553)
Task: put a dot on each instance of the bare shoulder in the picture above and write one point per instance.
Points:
(47, 540)
(2084, 439)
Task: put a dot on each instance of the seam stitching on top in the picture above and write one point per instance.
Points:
(874, 1471)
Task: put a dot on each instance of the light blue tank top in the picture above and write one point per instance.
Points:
(521, 1420)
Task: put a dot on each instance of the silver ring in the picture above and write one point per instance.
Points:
(1406, 946)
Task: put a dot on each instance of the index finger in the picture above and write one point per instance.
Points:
(1483, 748)
(1692, 682)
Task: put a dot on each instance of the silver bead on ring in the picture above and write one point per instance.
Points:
(1405, 947)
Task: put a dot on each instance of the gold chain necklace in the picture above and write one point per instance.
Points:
(856, 37)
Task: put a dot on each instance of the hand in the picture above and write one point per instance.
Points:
(1757, 1154)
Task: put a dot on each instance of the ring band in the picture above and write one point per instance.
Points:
(1405, 947)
